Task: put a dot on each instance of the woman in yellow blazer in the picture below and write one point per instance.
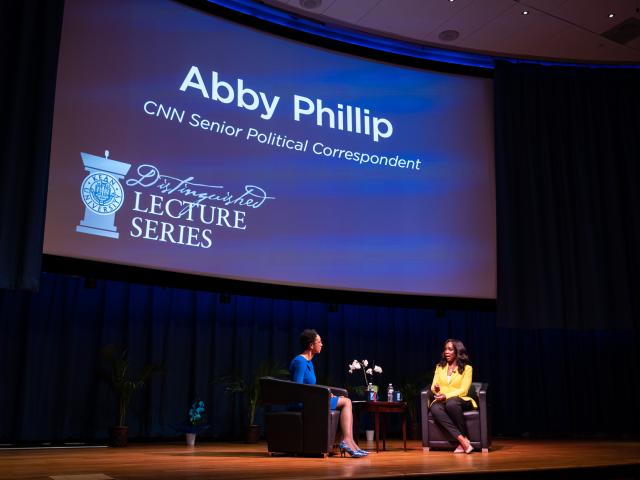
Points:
(450, 387)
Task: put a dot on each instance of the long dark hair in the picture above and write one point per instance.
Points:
(462, 359)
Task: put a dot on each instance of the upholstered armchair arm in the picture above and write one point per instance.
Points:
(338, 392)
(276, 391)
(484, 415)
(425, 397)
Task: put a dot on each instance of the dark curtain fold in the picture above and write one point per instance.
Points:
(29, 40)
(567, 172)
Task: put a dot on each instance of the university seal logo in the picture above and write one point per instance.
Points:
(102, 194)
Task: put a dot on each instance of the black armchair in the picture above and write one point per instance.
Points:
(308, 431)
(478, 423)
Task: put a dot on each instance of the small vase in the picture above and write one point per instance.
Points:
(191, 439)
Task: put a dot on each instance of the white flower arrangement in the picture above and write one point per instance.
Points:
(367, 372)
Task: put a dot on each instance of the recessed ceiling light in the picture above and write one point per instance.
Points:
(310, 4)
(525, 12)
(611, 15)
(448, 35)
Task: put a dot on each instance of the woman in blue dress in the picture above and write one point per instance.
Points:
(302, 371)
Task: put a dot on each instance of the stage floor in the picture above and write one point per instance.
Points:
(508, 459)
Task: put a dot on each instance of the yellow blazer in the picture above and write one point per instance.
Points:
(458, 386)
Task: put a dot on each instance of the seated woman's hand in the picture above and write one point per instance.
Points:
(440, 397)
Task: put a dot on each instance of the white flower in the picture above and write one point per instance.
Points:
(367, 372)
(355, 365)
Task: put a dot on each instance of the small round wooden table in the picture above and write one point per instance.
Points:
(384, 407)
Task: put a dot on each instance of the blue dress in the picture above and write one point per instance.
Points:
(302, 371)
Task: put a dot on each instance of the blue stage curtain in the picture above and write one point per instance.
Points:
(29, 39)
(568, 202)
(558, 382)
(568, 310)
(51, 340)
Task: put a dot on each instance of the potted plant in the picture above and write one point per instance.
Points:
(411, 395)
(235, 384)
(124, 385)
(367, 372)
(195, 422)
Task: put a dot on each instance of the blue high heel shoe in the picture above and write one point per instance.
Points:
(363, 452)
(353, 453)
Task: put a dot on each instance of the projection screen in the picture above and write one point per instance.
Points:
(186, 142)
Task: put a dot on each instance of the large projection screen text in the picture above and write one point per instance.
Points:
(188, 143)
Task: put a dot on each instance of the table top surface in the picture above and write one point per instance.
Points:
(378, 402)
(380, 406)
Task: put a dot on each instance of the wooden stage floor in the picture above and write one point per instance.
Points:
(508, 459)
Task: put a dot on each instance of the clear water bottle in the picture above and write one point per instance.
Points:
(390, 393)
(371, 394)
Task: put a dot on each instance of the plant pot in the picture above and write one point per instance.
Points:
(118, 436)
(191, 439)
(253, 433)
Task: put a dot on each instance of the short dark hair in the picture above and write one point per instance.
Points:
(307, 337)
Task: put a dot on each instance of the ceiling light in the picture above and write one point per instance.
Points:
(611, 15)
(310, 4)
(525, 12)
(448, 35)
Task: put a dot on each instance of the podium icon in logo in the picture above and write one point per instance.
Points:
(102, 194)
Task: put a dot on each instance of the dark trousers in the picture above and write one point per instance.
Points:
(450, 415)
